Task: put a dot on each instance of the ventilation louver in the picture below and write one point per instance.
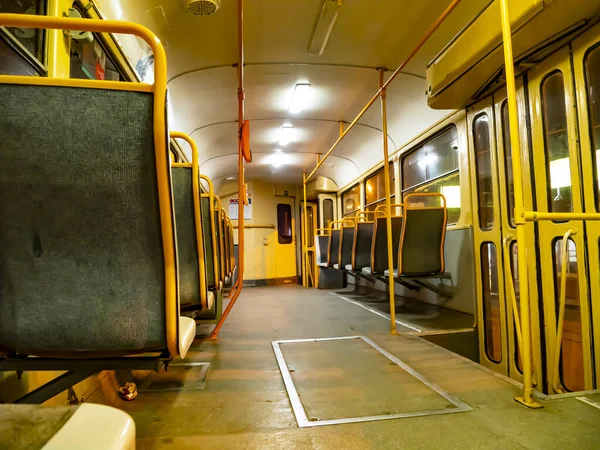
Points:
(202, 7)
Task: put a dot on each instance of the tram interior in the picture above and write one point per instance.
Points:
(299, 224)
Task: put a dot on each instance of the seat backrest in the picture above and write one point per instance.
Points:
(333, 250)
(183, 202)
(361, 248)
(346, 243)
(81, 260)
(421, 250)
(322, 247)
(225, 244)
(208, 229)
(379, 261)
(220, 247)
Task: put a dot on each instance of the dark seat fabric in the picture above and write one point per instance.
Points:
(346, 244)
(208, 231)
(322, 244)
(363, 241)
(423, 238)
(81, 259)
(379, 250)
(183, 201)
(333, 248)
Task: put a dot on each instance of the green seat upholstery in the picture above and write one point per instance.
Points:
(361, 250)
(183, 200)
(322, 245)
(333, 249)
(346, 245)
(379, 262)
(81, 259)
(421, 251)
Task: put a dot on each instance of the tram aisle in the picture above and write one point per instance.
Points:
(244, 403)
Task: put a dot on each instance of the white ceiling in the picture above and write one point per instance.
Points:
(368, 34)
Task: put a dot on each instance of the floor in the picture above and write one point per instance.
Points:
(245, 404)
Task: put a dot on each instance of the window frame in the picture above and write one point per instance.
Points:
(347, 191)
(392, 186)
(405, 190)
(39, 64)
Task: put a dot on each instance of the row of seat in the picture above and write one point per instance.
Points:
(204, 238)
(358, 245)
(108, 249)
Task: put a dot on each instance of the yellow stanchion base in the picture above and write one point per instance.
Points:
(529, 404)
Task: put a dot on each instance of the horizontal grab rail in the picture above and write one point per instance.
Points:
(534, 216)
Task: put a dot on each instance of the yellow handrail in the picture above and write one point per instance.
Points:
(561, 309)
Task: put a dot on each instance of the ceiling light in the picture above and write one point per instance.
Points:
(278, 159)
(231, 178)
(287, 133)
(300, 97)
(277, 150)
(327, 17)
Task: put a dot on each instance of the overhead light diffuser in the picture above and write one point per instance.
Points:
(300, 98)
(327, 17)
(287, 133)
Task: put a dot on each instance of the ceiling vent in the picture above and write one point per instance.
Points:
(202, 7)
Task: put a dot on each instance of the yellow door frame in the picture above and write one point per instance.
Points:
(550, 232)
(493, 236)
(580, 48)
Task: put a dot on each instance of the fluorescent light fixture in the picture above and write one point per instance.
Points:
(287, 133)
(278, 159)
(277, 150)
(327, 17)
(231, 178)
(300, 98)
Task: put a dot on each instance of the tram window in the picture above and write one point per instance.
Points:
(90, 61)
(592, 71)
(556, 141)
(350, 201)
(483, 167)
(491, 302)
(510, 183)
(433, 167)
(327, 212)
(31, 38)
(284, 224)
(12, 63)
(514, 266)
(375, 188)
(571, 352)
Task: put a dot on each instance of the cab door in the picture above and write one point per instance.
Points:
(558, 188)
(509, 232)
(487, 232)
(586, 69)
(285, 248)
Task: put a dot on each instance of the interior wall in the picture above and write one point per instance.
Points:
(260, 234)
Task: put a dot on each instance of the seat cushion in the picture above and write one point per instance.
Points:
(187, 333)
(95, 427)
(210, 299)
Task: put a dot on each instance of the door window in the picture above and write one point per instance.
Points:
(483, 167)
(491, 302)
(592, 72)
(556, 142)
(571, 354)
(510, 183)
(284, 224)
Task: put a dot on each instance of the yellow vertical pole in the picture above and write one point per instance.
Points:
(527, 398)
(304, 236)
(388, 203)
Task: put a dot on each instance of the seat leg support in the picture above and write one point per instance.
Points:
(53, 387)
(433, 288)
